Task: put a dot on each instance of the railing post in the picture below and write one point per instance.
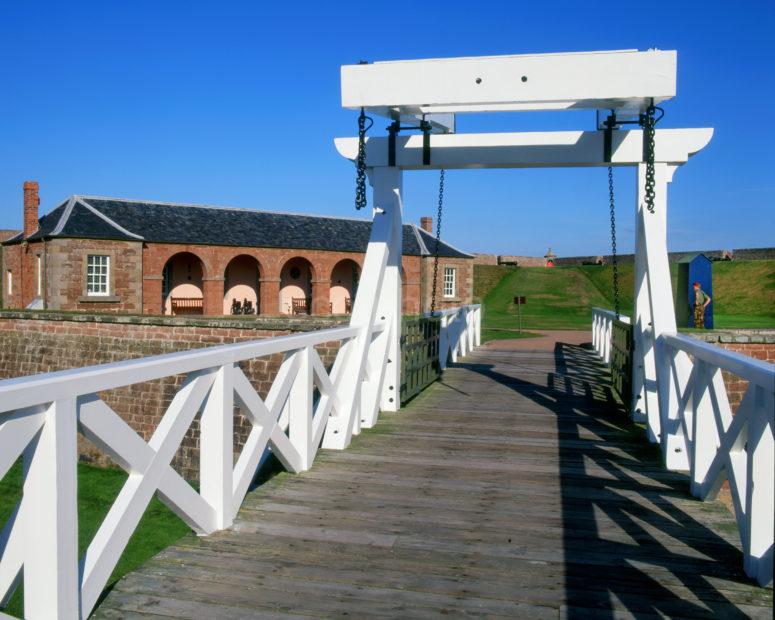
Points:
(51, 584)
(760, 496)
(300, 414)
(216, 458)
(478, 332)
(444, 341)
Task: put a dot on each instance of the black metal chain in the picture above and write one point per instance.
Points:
(614, 258)
(438, 241)
(360, 163)
(649, 122)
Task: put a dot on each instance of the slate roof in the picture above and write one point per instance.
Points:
(92, 217)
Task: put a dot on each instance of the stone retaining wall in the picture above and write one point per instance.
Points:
(35, 342)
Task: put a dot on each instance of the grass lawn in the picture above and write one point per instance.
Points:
(97, 488)
(562, 297)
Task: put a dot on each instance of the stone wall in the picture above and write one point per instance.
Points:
(66, 275)
(464, 283)
(32, 343)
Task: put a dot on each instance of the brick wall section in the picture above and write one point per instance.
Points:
(270, 263)
(66, 275)
(50, 342)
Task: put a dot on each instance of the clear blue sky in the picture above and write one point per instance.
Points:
(237, 103)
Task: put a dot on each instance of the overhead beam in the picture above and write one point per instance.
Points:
(624, 79)
(529, 149)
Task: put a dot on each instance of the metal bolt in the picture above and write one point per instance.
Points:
(478, 80)
(524, 78)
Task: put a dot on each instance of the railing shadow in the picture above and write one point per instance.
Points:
(617, 482)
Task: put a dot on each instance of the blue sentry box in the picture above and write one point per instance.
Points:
(693, 268)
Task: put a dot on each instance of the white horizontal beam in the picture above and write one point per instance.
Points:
(624, 79)
(528, 149)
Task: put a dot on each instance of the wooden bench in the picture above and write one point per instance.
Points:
(187, 305)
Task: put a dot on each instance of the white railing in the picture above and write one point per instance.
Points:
(602, 331)
(722, 446)
(461, 331)
(41, 415)
(697, 430)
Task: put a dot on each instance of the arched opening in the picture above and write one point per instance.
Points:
(182, 288)
(296, 287)
(344, 286)
(241, 282)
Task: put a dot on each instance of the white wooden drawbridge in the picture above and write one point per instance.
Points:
(41, 415)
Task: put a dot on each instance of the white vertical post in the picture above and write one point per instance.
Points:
(300, 414)
(759, 495)
(378, 299)
(388, 195)
(666, 425)
(478, 330)
(444, 345)
(644, 407)
(51, 588)
(216, 446)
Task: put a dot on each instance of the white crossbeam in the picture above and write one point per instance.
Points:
(623, 79)
(545, 149)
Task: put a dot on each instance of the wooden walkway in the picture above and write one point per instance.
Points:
(514, 488)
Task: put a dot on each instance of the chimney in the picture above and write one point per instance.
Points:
(426, 223)
(31, 202)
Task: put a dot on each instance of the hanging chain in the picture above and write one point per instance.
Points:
(649, 122)
(614, 259)
(360, 163)
(438, 241)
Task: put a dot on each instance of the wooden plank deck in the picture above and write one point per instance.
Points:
(513, 488)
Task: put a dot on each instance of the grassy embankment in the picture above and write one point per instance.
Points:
(97, 489)
(562, 297)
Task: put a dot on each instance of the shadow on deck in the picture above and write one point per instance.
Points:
(515, 487)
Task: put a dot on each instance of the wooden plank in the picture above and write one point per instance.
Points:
(512, 488)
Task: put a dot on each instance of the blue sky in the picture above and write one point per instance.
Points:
(237, 103)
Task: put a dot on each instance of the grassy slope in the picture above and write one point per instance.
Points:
(561, 298)
(97, 489)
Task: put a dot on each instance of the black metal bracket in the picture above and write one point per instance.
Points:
(395, 127)
(393, 130)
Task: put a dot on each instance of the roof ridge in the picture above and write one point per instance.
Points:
(449, 245)
(420, 240)
(222, 208)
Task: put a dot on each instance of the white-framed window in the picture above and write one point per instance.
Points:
(97, 275)
(449, 281)
(40, 274)
(9, 282)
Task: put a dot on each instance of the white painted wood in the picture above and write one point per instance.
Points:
(122, 518)
(546, 149)
(740, 448)
(108, 432)
(377, 300)
(605, 79)
(51, 519)
(216, 443)
(300, 399)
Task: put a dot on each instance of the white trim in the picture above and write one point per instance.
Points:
(449, 245)
(9, 282)
(453, 282)
(95, 279)
(65, 215)
(420, 241)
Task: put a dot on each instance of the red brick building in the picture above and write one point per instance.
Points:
(138, 257)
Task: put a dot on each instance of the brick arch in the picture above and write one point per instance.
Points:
(242, 275)
(183, 283)
(344, 278)
(297, 278)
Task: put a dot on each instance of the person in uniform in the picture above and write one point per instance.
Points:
(701, 301)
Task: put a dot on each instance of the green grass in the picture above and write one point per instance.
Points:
(97, 488)
(557, 298)
(563, 297)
